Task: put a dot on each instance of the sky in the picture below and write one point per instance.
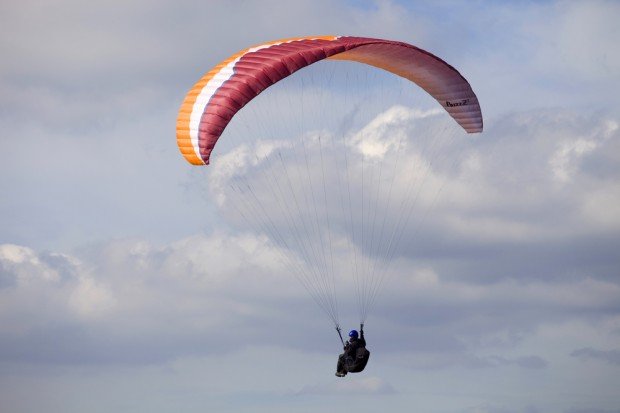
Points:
(127, 284)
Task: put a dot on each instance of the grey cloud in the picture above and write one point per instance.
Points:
(527, 362)
(366, 386)
(531, 362)
(546, 63)
(591, 410)
(7, 277)
(133, 302)
(470, 308)
(489, 408)
(438, 360)
(588, 353)
(100, 42)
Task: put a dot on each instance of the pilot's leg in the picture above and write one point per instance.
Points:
(340, 371)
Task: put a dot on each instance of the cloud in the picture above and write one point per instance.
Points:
(433, 360)
(591, 410)
(367, 386)
(544, 54)
(203, 294)
(588, 353)
(527, 362)
(530, 186)
(119, 263)
(585, 51)
(489, 408)
(131, 301)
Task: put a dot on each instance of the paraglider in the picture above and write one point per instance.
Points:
(355, 356)
(306, 200)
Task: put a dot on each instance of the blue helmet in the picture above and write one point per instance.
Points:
(353, 334)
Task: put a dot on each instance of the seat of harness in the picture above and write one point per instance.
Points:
(357, 363)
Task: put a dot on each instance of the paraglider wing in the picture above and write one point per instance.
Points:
(222, 92)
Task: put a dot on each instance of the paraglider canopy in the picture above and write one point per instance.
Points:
(222, 92)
